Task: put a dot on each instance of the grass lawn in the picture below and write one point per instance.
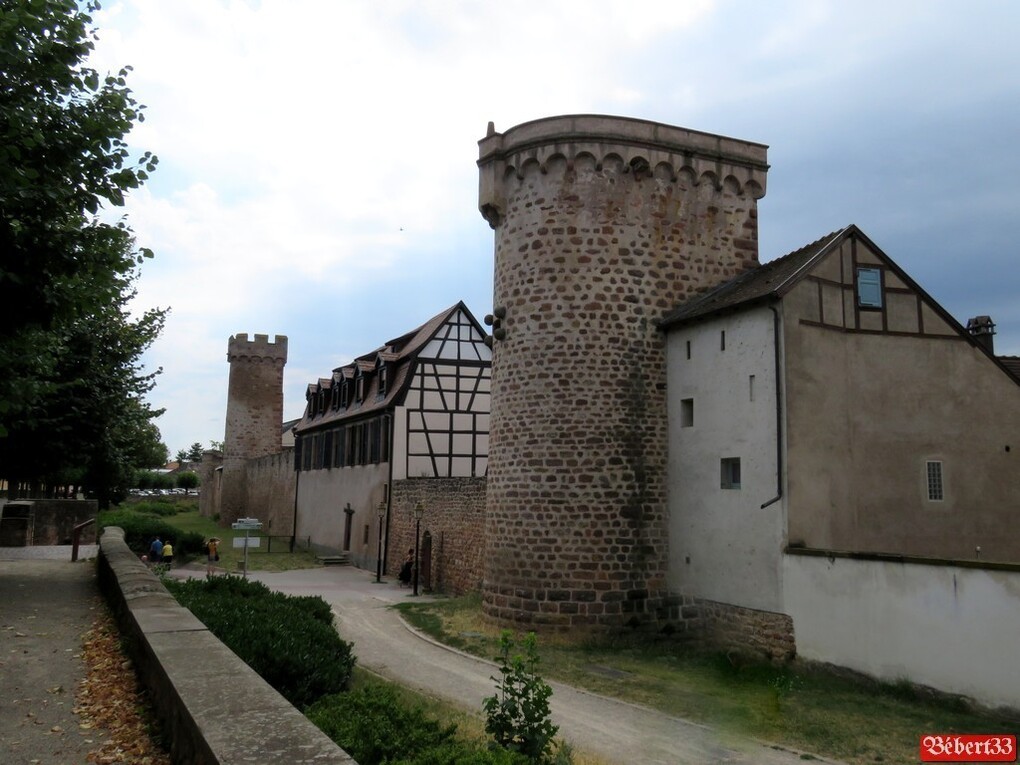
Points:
(800, 706)
(259, 559)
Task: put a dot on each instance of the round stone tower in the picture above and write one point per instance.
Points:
(254, 413)
(602, 226)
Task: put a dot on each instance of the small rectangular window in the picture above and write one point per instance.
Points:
(722, 340)
(364, 539)
(686, 412)
(729, 470)
(935, 487)
(688, 349)
(869, 287)
(750, 388)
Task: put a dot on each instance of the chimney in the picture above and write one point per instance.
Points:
(982, 329)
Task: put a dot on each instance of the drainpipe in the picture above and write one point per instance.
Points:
(297, 484)
(779, 410)
(389, 490)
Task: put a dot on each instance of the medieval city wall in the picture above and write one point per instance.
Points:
(271, 484)
(454, 519)
(602, 225)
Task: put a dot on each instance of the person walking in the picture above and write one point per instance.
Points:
(155, 552)
(212, 550)
(168, 554)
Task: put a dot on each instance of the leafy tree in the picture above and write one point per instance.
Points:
(71, 388)
(162, 481)
(181, 457)
(195, 452)
(216, 446)
(187, 480)
(150, 451)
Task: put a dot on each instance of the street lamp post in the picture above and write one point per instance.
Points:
(418, 512)
(381, 511)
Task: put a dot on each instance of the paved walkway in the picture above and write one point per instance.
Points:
(46, 604)
(620, 732)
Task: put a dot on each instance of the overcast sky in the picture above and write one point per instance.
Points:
(317, 173)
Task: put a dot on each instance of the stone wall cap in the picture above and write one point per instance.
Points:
(585, 128)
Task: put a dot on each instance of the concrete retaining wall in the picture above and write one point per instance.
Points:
(952, 627)
(214, 709)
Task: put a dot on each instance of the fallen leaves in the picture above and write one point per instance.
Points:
(112, 701)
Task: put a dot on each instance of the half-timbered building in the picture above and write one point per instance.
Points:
(416, 407)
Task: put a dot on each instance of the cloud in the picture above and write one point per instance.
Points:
(317, 159)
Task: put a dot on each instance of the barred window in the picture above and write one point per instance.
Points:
(936, 491)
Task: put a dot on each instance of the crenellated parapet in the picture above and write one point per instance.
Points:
(259, 350)
(664, 154)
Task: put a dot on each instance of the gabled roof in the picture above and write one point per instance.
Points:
(1012, 365)
(399, 355)
(770, 280)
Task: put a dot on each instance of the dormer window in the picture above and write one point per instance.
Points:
(345, 393)
(383, 373)
(359, 388)
(322, 400)
(334, 398)
(869, 287)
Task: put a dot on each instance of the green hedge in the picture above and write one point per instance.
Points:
(372, 726)
(290, 641)
(139, 531)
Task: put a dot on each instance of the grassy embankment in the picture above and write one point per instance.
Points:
(808, 708)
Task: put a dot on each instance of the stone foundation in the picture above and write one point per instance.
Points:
(713, 626)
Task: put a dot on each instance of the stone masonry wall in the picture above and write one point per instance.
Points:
(602, 226)
(747, 631)
(254, 412)
(271, 485)
(209, 483)
(455, 516)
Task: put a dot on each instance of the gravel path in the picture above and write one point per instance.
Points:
(620, 732)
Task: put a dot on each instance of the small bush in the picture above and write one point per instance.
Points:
(290, 641)
(374, 727)
(518, 716)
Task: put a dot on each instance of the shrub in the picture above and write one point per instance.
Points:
(373, 726)
(518, 715)
(139, 530)
(291, 642)
(162, 507)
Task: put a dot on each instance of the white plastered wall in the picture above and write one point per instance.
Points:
(723, 545)
(949, 627)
